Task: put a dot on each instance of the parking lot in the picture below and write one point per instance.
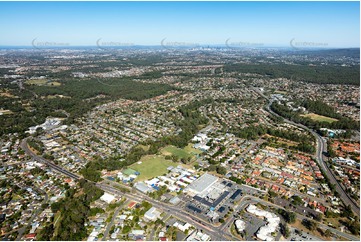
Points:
(301, 236)
(253, 223)
(201, 207)
(306, 211)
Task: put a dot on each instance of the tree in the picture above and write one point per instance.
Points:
(285, 231)
(328, 233)
(272, 193)
(289, 217)
(311, 225)
(347, 212)
(221, 170)
(318, 217)
(212, 168)
(296, 200)
(46, 233)
(126, 229)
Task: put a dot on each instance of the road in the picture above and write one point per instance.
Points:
(22, 230)
(219, 232)
(109, 226)
(210, 229)
(175, 211)
(321, 147)
(246, 200)
(53, 166)
(210, 124)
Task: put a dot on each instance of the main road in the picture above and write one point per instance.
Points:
(246, 200)
(219, 233)
(321, 148)
(210, 229)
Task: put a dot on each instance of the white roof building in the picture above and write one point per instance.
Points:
(240, 225)
(108, 198)
(198, 236)
(182, 227)
(264, 233)
(201, 184)
(152, 214)
(141, 186)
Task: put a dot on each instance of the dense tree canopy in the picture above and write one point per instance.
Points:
(329, 74)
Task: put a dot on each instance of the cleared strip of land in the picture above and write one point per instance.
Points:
(319, 118)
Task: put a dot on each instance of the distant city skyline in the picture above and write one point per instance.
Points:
(177, 24)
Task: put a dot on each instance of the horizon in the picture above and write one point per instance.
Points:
(320, 25)
(110, 47)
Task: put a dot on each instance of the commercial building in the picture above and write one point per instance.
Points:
(265, 232)
(201, 184)
(197, 235)
(240, 225)
(141, 186)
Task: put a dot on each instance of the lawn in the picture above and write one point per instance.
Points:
(188, 151)
(172, 150)
(3, 112)
(42, 82)
(319, 118)
(280, 92)
(144, 147)
(6, 94)
(282, 141)
(152, 166)
(37, 81)
(189, 148)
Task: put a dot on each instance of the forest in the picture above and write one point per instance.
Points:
(315, 74)
(320, 108)
(74, 211)
(254, 132)
(31, 106)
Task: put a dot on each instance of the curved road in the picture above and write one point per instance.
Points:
(321, 147)
(219, 232)
(246, 200)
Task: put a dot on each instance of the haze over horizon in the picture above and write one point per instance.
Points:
(247, 24)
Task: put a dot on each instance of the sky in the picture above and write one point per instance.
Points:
(331, 24)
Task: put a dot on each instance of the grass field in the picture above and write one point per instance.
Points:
(319, 118)
(189, 148)
(42, 82)
(282, 141)
(6, 94)
(152, 166)
(37, 81)
(3, 112)
(186, 152)
(144, 147)
(172, 150)
(57, 96)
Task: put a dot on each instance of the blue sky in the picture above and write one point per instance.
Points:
(147, 23)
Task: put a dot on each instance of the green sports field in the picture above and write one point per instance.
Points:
(152, 166)
(319, 118)
(186, 152)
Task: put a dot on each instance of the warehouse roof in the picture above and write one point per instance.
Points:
(202, 183)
